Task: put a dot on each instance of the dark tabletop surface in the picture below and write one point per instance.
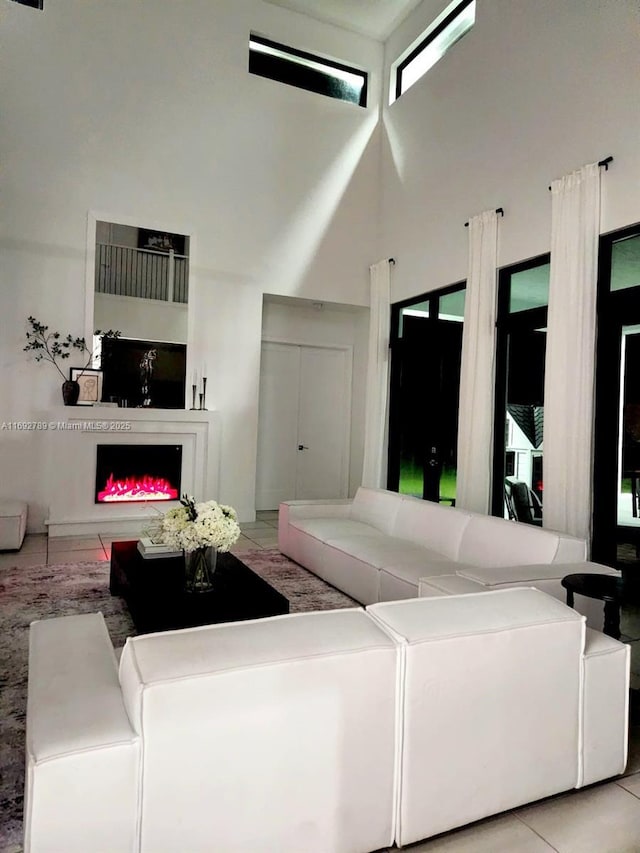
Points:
(154, 591)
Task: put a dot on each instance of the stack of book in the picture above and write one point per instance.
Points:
(153, 548)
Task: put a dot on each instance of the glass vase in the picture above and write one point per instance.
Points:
(199, 566)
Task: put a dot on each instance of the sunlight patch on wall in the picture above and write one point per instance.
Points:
(296, 248)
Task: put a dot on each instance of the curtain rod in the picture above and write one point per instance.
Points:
(498, 210)
(604, 163)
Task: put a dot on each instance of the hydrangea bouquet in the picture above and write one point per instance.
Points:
(200, 530)
(198, 525)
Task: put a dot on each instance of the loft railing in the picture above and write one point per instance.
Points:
(143, 273)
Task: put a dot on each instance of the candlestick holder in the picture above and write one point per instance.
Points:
(193, 398)
(203, 396)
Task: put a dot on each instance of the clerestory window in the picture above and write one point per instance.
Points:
(454, 22)
(305, 71)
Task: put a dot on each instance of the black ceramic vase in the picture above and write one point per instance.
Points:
(70, 392)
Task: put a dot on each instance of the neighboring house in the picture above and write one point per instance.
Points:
(524, 448)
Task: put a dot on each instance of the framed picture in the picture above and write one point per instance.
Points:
(90, 382)
(160, 241)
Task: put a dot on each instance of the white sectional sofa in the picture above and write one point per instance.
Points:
(383, 546)
(333, 732)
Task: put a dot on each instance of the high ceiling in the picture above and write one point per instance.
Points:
(374, 18)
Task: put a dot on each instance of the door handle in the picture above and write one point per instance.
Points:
(302, 447)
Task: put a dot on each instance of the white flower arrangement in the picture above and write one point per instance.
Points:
(198, 525)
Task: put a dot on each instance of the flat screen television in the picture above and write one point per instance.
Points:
(124, 377)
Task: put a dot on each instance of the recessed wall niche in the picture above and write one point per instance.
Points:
(124, 362)
(141, 288)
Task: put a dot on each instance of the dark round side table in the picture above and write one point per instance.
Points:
(610, 589)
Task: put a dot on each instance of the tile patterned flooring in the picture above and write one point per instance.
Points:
(38, 549)
(603, 818)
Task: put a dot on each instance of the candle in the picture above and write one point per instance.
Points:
(204, 370)
(195, 377)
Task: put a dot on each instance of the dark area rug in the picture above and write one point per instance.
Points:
(42, 592)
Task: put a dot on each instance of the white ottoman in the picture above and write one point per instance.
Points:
(13, 523)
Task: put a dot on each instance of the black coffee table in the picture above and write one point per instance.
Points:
(153, 590)
(612, 590)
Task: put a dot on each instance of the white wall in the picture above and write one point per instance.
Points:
(145, 113)
(148, 319)
(532, 92)
(115, 234)
(329, 325)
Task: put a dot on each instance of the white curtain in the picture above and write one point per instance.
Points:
(475, 419)
(570, 358)
(374, 467)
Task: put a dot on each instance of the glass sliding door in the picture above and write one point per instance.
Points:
(426, 346)
(627, 510)
(408, 403)
(523, 293)
(616, 504)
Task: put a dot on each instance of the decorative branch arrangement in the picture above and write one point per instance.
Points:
(52, 346)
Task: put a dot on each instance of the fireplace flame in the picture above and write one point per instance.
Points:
(141, 488)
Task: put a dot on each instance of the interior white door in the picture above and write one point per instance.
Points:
(303, 424)
(322, 435)
(277, 425)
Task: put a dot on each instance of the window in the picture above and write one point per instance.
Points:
(426, 346)
(306, 71)
(625, 263)
(456, 20)
(523, 296)
(616, 460)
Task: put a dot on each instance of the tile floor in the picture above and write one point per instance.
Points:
(38, 549)
(604, 818)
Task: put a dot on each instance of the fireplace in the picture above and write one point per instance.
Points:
(128, 473)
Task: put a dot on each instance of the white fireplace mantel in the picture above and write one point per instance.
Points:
(70, 436)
